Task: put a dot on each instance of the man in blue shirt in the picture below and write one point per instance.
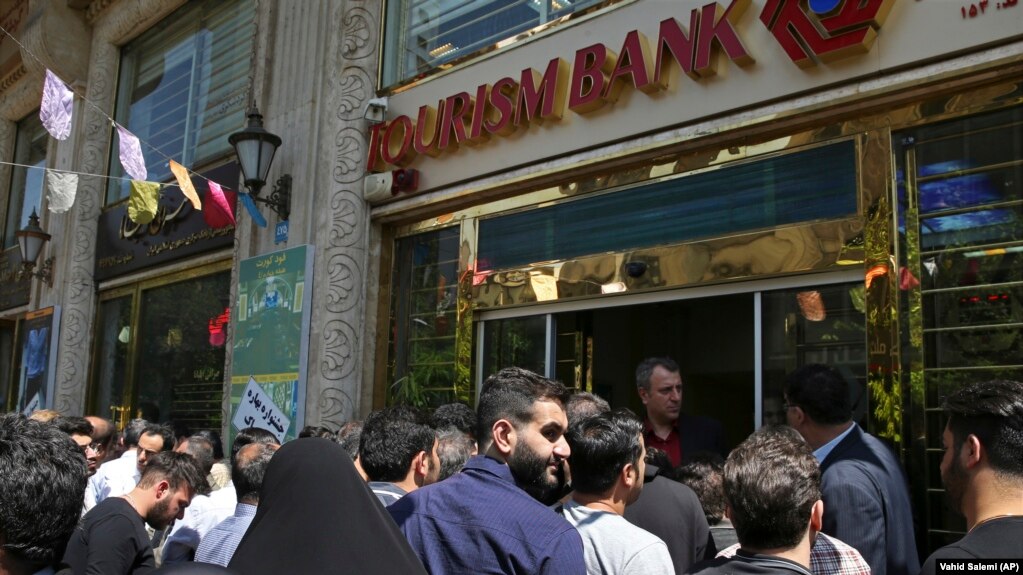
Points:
(492, 518)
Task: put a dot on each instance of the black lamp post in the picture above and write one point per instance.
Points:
(31, 239)
(256, 148)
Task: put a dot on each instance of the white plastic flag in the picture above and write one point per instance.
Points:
(62, 188)
(55, 110)
(131, 155)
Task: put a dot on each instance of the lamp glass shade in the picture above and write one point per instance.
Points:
(31, 239)
(255, 148)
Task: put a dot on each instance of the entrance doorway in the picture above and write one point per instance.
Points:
(734, 349)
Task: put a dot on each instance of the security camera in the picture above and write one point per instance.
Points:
(385, 185)
(375, 110)
(635, 269)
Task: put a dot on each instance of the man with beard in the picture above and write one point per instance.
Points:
(607, 475)
(112, 538)
(983, 472)
(493, 517)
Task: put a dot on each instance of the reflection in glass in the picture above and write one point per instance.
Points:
(26, 191)
(111, 360)
(518, 342)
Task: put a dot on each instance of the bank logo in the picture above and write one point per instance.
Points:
(812, 31)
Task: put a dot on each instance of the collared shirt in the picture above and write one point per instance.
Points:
(386, 492)
(201, 516)
(219, 544)
(828, 556)
(744, 563)
(823, 451)
(480, 522)
(115, 477)
(672, 444)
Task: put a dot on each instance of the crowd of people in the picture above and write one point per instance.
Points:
(534, 480)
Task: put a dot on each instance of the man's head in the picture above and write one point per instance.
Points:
(349, 436)
(103, 434)
(773, 490)
(316, 431)
(202, 450)
(248, 470)
(522, 415)
(132, 432)
(817, 394)
(983, 440)
(214, 438)
(252, 435)
(607, 455)
(168, 483)
(584, 404)
(454, 448)
(457, 415)
(80, 431)
(153, 439)
(704, 474)
(399, 446)
(42, 479)
(660, 389)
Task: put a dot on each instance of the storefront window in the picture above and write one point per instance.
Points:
(422, 358)
(518, 342)
(26, 192)
(184, 87)
(422, 35)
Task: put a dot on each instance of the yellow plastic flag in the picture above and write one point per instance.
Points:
(185, 183)
(142, 203)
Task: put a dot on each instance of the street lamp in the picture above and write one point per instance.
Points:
(30, 241)
(255, 148)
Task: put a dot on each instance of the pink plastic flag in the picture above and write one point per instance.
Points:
(219, 212)
(250, 205)
(55, 111)
(131, 155)
(185, 183)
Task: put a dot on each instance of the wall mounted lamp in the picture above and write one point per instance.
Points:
(30, 240)
(255, 148)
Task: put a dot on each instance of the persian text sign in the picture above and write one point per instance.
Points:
(257, 409)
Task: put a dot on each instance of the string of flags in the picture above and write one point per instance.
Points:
(55, 112)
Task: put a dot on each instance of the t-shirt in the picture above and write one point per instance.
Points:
(110, 540)
(1000, 538)
(612, 545)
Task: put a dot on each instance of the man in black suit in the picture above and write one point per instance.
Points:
(679, 435)
(866, 501)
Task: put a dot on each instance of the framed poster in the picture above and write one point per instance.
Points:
(270, 322)
(37, 375)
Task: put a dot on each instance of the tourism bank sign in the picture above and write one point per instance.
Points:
(691, 47)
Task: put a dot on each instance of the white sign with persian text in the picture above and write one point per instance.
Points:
(257, 409)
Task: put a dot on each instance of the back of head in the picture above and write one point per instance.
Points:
(308, 486)
(821, 392)
(177, 469)
(316, 431)
(584, 404)
(44, 415)
(133, 431)
(214, 438)
(249, 468)
(391, 439)
(457, 415)
(772, 482)
(993, 412)
(454, 448)
(705, 476)
(602, 446)
(510, 394)
(102, 431)
(72, 425)
(349, 437)
(252, 435)
(42, 479)
(202, 450)
(646, 368)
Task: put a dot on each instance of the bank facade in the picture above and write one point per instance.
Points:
(570, 187)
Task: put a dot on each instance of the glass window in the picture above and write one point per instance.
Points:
(26, 193)
(184, 87)
(421, 35)
(421, 367)
(518, 342)
(819, 183)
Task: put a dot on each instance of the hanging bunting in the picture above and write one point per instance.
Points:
(250, 205)
(55, 110)
(185, 183)
(142, 203)
(219, 212)
(62, 188)
(131, 155)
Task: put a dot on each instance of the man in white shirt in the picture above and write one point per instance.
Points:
(607, 475)
(122, 475)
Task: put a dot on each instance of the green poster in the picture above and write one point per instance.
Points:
(271, 335)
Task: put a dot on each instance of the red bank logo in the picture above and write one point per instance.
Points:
(824, 30)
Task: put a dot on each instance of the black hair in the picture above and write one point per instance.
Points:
(349, 437)
(457, 415)
(178, 469)
(42, 482)
(659, 459)
(391, 439)
(252, 435)
(993, 412)
(602, 445)
(704, 474)
(133, 431)
(511, 394)
(771, 482)
(646, 368)
(164, 431)
(583, 404)
(214, 438)
(454, 448)
(247, 472)
(316, 431)
(73, 425)
(821, 392)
